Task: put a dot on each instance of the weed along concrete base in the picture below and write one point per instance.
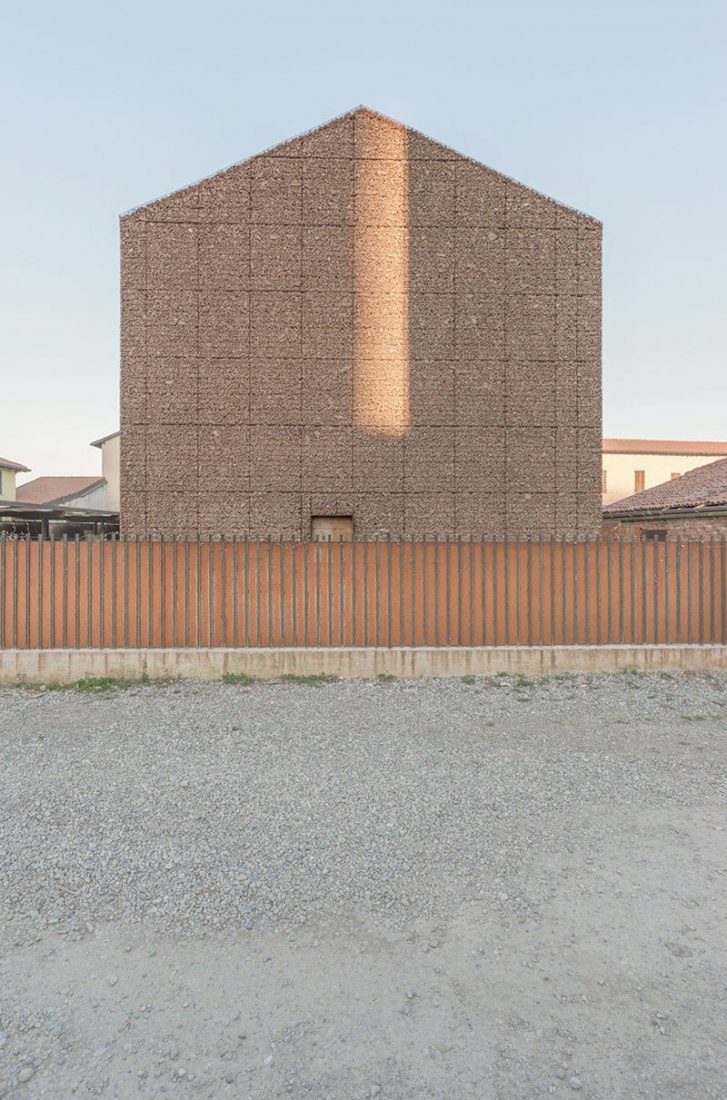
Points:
(71, 665)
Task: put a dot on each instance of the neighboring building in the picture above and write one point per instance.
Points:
(632, 465)
(360, 330)
(73, 492)
(694, 504)
(109, 447)
(8, 472)
(68, 506)
(57, 506)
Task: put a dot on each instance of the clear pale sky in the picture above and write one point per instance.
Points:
(615, 108)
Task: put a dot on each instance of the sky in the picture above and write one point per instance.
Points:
(617, 109)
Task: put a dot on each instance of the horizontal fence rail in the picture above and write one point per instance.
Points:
(233, 592)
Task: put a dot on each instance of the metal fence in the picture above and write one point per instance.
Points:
(230, 592)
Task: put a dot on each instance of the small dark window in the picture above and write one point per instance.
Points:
(335, 528)
(655, 536)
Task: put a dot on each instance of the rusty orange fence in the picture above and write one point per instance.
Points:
(133, 593)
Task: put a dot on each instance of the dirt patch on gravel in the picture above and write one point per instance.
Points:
(500, 888)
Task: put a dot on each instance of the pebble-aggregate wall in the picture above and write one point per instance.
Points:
(360, 322)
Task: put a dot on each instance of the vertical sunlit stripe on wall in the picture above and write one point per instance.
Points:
(381, 279)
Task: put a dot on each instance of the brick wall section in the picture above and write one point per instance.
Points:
(242, 320)
(697, 528)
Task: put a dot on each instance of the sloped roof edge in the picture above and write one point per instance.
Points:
(698, 489)
(338, 118)
(104, 439)
(8, 464)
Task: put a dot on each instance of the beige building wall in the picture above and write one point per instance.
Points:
(7, 483)
(110, 450)
(110, 446)
(360, 322)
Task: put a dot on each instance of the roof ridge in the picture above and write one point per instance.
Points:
(631, 445)
(361, 108)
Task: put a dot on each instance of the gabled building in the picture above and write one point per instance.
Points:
(632, 465)
(360, 332)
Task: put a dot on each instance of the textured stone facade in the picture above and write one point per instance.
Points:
(360, 322)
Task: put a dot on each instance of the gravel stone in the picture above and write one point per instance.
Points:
(560, 859)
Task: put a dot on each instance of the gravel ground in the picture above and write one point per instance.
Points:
(500, 888)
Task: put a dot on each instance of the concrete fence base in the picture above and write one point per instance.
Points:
(68, 665)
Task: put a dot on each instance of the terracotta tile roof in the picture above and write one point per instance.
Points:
(663, 447)
(706, 486)
(8, 464)
(54, 490)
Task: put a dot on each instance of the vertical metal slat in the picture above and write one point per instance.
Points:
(701, 591)
(354, 633)
(425, 593)
(472, 593)
(518, 607)
(436, 590)
(281, 566)
(400, 542)
(366, 590)
(493, 554)
(377, 582)
(712, 591)
(269, 552)
(587, 589)
(186, 590)
(163, 592)
(388, 591)
(564, 589)
(656, 592)
(330, 591)
(541, 593)
(294, 586)
(258, 593)
(247, 592)
(667, 594)
(52, 594)
(530, 590)
(235, 593)
(306, 597)
(506, 594)
(318, 593)
(413, 593)
(690, 601)
(678, 570)
(27, 593)
(633, 590)
(609, 548)
(621, 590)
(483, 571)
(341, 592)
(723, 637)
(644, 592)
